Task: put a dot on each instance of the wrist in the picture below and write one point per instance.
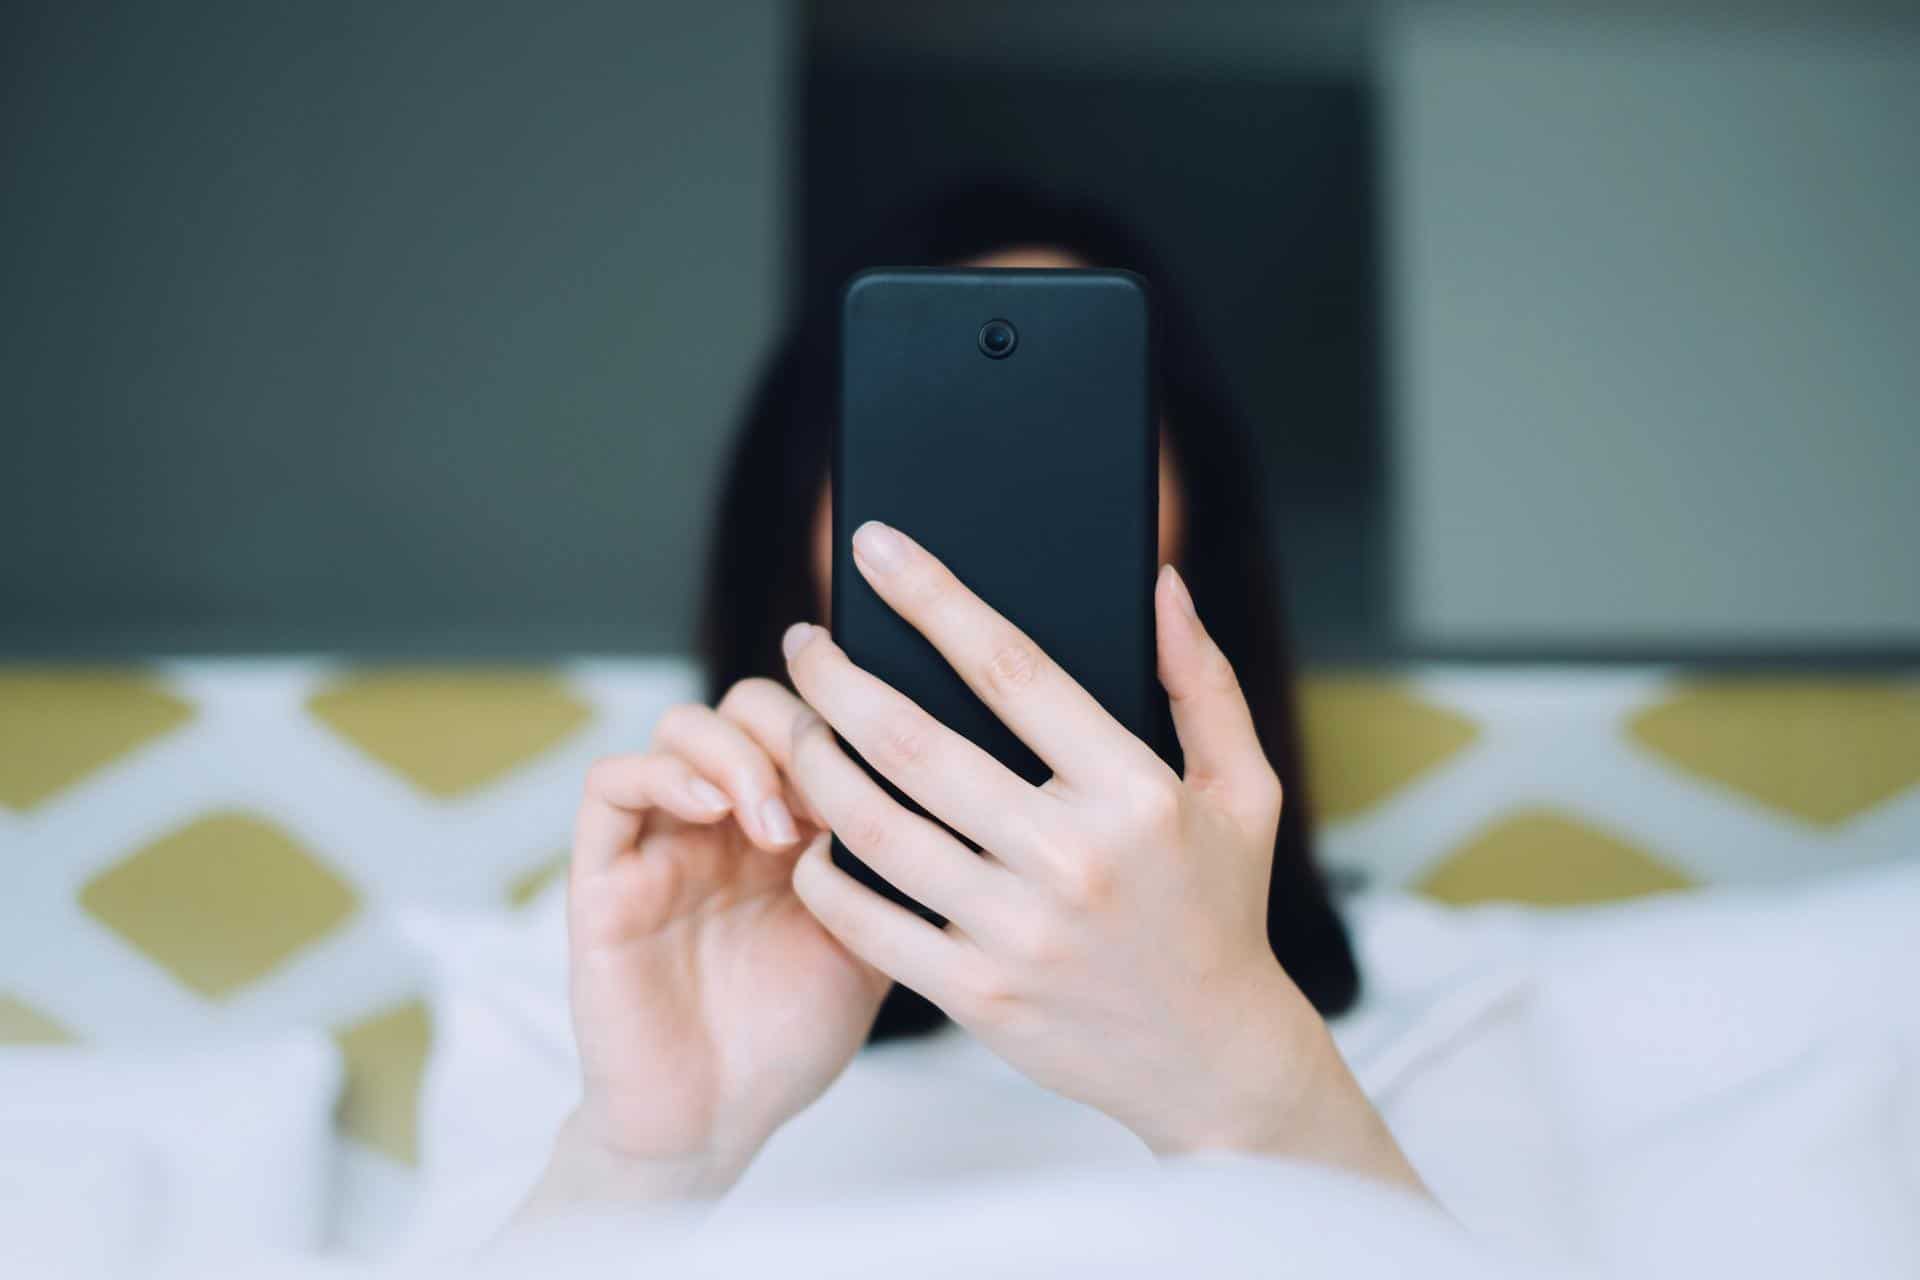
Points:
(1261, 1069)
(1283, 1090)
(589, 1166)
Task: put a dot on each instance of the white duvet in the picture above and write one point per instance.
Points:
(1720, 1082)
(1713, 1083)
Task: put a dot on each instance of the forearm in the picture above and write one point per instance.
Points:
(1335, 1123)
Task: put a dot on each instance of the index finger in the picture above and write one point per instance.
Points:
(619, 793)
(1027, 690)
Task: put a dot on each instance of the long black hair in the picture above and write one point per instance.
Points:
(760, 571)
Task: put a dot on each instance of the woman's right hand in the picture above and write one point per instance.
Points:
(709, 1005)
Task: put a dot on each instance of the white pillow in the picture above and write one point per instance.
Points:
(1653, 1016)
(76, 1201)
(502, 1073)
(229, 1145)
(1649, 1009)
(1796, 1174)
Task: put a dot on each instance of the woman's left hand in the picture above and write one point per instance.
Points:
(1110, 939)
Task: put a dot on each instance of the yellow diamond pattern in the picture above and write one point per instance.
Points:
(1367, 738)
(221, 902)
(57, 725)
(450, 731)
(1547, 858)
(21, 1023)
(386, 1054)
(1820, 750)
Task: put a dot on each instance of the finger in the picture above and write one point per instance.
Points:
(887, 936)
(1030, 693)
(1217, 735)
(766, 710)
(947, 775)
(912, 853)
(619, 793)
(723, 753)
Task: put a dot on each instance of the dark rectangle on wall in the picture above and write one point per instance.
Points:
(1257, 190)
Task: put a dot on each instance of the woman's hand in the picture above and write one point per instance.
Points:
(708, 1004)
(1110, 940)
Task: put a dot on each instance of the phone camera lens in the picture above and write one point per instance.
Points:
(997, 339)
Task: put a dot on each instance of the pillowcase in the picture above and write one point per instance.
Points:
(1797, 1173)
(214, 1150)
(76, 1201)
(1652, 1017)
(1647, 1010)
(502, 1073)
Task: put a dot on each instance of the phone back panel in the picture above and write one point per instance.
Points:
(1033, 476)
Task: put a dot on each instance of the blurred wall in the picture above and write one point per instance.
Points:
(375, 326)
(417, 327)
(1654, 285)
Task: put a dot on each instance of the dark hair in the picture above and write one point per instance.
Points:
(759, 576)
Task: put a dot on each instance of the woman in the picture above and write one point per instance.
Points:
(1150, 938)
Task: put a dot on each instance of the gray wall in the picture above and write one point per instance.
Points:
(1655, 286)
(417, 327)
(317, 321)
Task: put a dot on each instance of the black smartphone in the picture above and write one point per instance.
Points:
(1007, 420)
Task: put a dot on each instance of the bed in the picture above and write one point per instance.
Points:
(1634, 941)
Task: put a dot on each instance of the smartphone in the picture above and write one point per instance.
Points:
(1008, 421)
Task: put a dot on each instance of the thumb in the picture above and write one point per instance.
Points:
(1210, 713)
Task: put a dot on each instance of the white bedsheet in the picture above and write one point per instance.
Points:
(1721, 1079)
(1717, 1083)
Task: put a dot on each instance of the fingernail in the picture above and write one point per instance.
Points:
(796, 638)
(1181, 596)
(708, 798)
(879, 547)
(777, 822)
